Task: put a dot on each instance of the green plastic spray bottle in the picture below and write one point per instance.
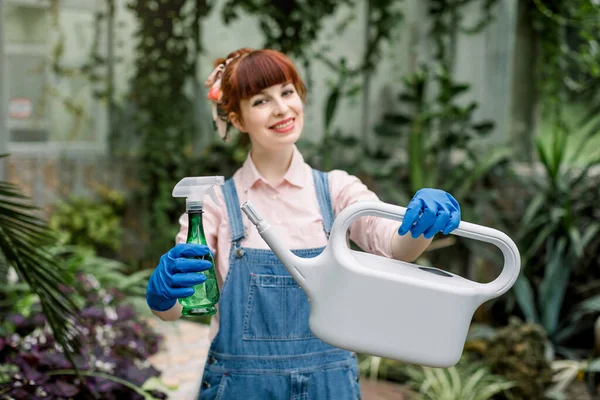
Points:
(206, 295)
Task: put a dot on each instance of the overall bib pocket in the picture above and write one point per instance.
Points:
(254, 387)
(212, 385)
(277, 309)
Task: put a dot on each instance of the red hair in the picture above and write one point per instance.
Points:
(251, 72)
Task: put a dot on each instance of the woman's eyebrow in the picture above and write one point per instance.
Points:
(264, 91)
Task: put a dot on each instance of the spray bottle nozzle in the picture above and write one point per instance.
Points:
(194, 188)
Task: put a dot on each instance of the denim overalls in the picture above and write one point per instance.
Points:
(264, 348)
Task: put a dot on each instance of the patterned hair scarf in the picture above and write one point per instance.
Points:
(215, 93)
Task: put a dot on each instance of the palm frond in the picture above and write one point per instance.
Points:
(23, 238)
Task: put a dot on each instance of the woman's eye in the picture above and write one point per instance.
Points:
(288, 92)
(258, 102)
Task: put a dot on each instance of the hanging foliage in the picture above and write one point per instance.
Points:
(290, 26)
(161, 112)
(568, 63)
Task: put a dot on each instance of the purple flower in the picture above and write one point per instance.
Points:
(107, 386)
(39, 319)
(32, 357)
(62, 389)
(18, 320)
(31, 374)
(20, 394)
(125, 312)
(93, 313)
(116, 346)
(54, 361)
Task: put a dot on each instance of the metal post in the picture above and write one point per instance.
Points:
(110, 62)
(366, 134)
(3, 97)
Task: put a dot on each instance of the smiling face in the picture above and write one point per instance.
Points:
(273, 118)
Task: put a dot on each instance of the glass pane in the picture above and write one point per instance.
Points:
(26, 79)
(28, 135)
(39, 99)
(73, 109)
(26, 24)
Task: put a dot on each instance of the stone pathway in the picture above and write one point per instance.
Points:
(182, 357)
(185, 347)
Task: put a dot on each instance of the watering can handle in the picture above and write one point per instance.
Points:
(512, 259)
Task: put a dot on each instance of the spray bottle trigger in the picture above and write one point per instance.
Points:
(213, 196)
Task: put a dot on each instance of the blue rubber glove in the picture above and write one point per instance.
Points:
(175, 275)
(430, 211)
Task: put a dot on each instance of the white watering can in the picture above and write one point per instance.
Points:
(384, 307)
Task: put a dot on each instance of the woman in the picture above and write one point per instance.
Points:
(262, 347)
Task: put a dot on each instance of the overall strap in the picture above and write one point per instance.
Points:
(234, 213)
(324, 199)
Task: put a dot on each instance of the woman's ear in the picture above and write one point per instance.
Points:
(235, 120)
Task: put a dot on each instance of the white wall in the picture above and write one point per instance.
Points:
(486, 61)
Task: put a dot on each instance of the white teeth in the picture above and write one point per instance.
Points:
(284, 125)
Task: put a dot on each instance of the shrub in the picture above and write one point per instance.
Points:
(116, 346)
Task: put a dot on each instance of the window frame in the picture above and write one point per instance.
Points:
(99, 146)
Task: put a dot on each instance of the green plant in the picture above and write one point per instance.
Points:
(90, 72)
(447, 18)
(222, 158)
(111, 364)
(159, 116)
(105, 273)
(559, 237)
(567, 371)
(434, 131)
(377, 368)
(92, 223)
(23, 241)
(567, 62)
(433, 140)
(290, 26)
(383, 19)
(466, 381)
(518, 352)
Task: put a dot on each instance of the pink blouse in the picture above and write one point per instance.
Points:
(292, 208)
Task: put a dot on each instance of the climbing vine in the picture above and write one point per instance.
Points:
(382, 20)
(89, 70)
(161, 111)
(290, 26)
(569, 52)
(447, 23)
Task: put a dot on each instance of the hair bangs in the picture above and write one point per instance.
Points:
(263, 69)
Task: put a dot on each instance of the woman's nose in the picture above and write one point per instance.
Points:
(281, 107)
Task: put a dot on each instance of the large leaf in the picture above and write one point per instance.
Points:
(485, 164)
(544, 157)
(525, 298)
(331, 106)
(23, 237)
(543, 235)
(554, 285)
(533, 210)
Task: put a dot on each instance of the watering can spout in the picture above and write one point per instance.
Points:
(300, 268)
